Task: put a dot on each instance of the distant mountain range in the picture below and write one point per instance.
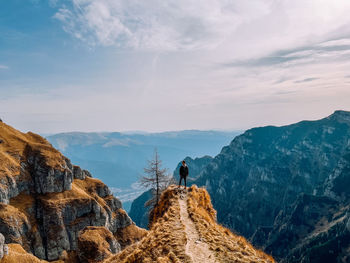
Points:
(119, 158)
(285, 188)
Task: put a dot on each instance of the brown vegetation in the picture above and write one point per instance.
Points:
(227, 246)
(14, 148)
(18, 255)
(95, 244)
(166, 239)
(129, 235)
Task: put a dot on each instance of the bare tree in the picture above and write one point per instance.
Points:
(155, 177)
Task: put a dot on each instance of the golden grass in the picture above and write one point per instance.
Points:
(93, 242)
(227, 246)
(18, 255)
(129, 235)
(16, 145)
(166, 239)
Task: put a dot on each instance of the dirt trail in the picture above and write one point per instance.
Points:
(197, 249)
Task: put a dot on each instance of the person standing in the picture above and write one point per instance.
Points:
(183, 173)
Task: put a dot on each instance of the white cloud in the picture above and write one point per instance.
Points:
(158, 24)
(202, 24)
(3, 67)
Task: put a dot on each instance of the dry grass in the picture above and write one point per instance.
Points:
(94, 242)
(166, 239)
(129, 235)
(18, 255)
(16, 145)
(227, 246)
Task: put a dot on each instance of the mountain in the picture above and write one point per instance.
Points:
(139, 213)
(183, 228)
(118, 159)
(286, 188)
(51, 209)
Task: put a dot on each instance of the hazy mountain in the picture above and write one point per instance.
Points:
(119, 158)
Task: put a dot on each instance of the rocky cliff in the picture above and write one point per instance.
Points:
(47, 204)
(183, 228)
(286, 188)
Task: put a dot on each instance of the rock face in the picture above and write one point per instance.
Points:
(45, 201)
(287, 188)
(2, 246)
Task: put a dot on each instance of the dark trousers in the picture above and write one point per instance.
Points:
(182, 177)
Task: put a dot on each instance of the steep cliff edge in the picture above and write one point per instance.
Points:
(46, 202)
(183, 228)
(287, 188)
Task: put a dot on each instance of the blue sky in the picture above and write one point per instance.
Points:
(116, 65)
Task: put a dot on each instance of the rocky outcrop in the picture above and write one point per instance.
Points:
(139, 212)
(3, 246)
(255, 179)
(95, 244)
(45, 201)
(183, 227)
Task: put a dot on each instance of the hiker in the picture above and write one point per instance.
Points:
(183, 173)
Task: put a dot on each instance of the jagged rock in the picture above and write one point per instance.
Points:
(96, 243)
(2, 244)
(255, 179)
(79, 173)
(45, 201)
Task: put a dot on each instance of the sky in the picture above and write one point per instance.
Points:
(159, 65)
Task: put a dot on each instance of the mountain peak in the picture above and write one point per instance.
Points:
(340, 115)
(183, 228)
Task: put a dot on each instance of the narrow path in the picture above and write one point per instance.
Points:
(195, 248)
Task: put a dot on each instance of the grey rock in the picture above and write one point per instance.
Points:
(256, 182)
(2, 244)
(78, 173)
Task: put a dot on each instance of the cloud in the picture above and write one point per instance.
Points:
(4, 67)
(201, 24)
(306, 80)
(157, 24)
(326, 51)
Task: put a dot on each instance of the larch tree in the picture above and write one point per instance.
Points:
(156, 178)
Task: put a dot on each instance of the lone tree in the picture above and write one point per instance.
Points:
(156, 178)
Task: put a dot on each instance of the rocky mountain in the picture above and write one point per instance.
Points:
(286, 188)
(53, 210)
(118, 159)
(183, 228)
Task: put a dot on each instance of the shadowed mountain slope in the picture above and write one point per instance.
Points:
(286, 188)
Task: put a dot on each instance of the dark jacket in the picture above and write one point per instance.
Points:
(183, 171)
